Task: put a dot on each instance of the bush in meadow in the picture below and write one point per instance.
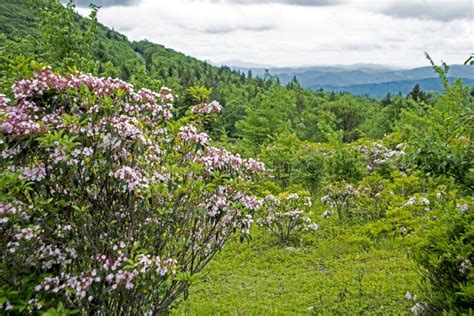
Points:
(341, 197)
(108, 205)
(287, 217)
(374, 198)
(445, 254)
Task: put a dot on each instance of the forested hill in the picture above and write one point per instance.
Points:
(126, 57)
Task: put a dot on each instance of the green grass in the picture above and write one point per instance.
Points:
(318, 276)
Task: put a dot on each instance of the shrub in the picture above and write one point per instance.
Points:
(374, 198)
(293, 161)
(345, 164)
(287, 217)
(341, 197)
(445, 255)
(107, 205)
(367, 202)
(440, 137)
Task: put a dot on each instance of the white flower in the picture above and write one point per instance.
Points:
(425, 201)
(418, 308)
(326, 214)
(313, 226)
(411, 201)
(325, 199)
(463, 208)
(8, 306)
(293, 196)
(465, 265)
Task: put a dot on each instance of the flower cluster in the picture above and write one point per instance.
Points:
(465, 266)
(189, 133)
(463, 208)
(380, 155)
(37, 173)
(20, 119)
(418, 201)
(341, 197)
(46, 80)
(288, 216)
(214, 158)
(207, 108)
(419, 307)
(131, 178)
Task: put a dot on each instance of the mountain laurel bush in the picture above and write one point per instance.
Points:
(108, 205)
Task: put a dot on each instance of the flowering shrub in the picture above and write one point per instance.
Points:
(341, 197)
(445, 253)
(417, 203)
(374, 198)
(286, 217)
(379, 157)
(419, 308)
(107, 205)
(369, 201)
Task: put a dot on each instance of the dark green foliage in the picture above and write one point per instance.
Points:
(345, 164)
(349, 114)
(417, 94)
(439, 136)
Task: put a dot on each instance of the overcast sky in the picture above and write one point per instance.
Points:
(300, 32)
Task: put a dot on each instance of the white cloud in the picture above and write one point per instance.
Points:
(438, 10)
(310, 33)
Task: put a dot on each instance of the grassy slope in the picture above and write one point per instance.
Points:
(319, 277)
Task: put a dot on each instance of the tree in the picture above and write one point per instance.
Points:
(440, 136)
(417, 94)
(271, 114)
(349, 114)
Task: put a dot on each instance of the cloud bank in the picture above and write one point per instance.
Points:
(430, 10)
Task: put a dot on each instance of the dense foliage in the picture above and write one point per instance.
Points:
(112, 199)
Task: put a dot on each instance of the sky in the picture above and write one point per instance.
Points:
(287, 33)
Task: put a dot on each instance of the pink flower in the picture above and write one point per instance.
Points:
(205, 108)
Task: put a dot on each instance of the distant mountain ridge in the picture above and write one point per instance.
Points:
(366, 79)
(380, 90)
